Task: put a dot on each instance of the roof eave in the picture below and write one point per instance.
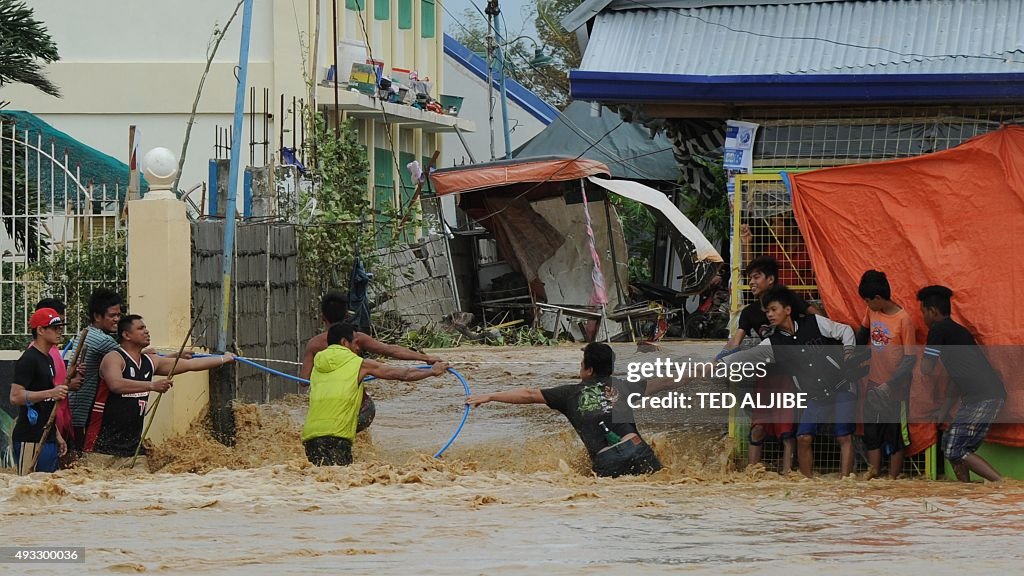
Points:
(583, 13)
(796, 88)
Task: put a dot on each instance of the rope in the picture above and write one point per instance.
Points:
(460, 377)
(275, 360)
(270, 370)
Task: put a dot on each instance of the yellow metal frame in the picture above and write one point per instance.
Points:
(738, 284)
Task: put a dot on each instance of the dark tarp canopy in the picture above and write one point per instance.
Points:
(91, 165)
(628, 150)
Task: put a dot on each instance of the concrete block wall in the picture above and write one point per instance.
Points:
(422, 292)
(265, 321)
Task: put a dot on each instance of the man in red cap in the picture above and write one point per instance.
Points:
(63, 419)
(34, 392)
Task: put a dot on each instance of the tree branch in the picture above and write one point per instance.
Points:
(199, 92)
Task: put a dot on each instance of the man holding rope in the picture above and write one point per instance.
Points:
(104, 313)
(126, 381)
(63, 416)
(333, 310)
(598, 409)
(34, 390)
(335, 393)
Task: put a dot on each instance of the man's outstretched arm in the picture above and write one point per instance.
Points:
(385, 372)
(518, 396)
(163, 364)
(658, 385)
(371, 345)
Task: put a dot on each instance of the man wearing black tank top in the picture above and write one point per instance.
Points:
(126, 381)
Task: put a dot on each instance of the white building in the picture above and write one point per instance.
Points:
(125, 62)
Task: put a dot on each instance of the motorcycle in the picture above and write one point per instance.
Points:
(711, 318)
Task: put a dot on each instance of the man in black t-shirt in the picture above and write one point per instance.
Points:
(33, 391)
(614, 445)
(976, 383)
(762, 275)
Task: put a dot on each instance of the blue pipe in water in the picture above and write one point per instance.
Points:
(460, 377)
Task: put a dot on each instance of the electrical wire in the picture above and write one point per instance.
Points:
(552, 175)
(391, 139)
(575, 128)
(582, 134)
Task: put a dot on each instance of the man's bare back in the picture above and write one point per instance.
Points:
(364, 344)
(367, 345)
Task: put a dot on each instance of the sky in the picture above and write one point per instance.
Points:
(518, 14)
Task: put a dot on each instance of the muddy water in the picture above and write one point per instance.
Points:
(511, 496)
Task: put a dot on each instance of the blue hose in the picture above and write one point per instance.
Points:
(272, 371)
(465, 415)
(461, 378)
(64, 352)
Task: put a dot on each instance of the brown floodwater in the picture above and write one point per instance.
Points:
(511, 496)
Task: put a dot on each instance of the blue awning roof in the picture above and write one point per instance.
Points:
(518, 93)
(781, 88)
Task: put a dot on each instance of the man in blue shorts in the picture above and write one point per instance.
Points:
(812, 350)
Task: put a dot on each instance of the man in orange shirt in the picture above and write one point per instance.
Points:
(890, 331)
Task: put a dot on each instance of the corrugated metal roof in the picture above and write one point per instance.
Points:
(590, 8)
(864, 37)
(626, 149)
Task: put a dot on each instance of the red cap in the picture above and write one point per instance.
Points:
(45, 317)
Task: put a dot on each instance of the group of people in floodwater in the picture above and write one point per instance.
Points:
(101, 400)
(806, 351)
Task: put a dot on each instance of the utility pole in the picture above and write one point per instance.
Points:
(494, 24)
(490, 82)
(236, 151)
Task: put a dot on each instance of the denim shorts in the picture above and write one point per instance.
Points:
(627, 458)
(23, 452)
(840, 410)
(329, 451)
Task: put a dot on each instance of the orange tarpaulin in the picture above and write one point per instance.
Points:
(501, 173)
(954, 218)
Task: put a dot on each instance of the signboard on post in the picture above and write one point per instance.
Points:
(739, 146)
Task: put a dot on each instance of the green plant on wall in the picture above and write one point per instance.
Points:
(638, 228)
(709, 209)
(335, 217)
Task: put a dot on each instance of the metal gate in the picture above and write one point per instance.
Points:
(763, 223)
(60, 236)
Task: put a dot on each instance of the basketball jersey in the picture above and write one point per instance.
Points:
(115, 424)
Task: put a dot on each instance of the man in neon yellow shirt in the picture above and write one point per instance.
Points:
(336, 393)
